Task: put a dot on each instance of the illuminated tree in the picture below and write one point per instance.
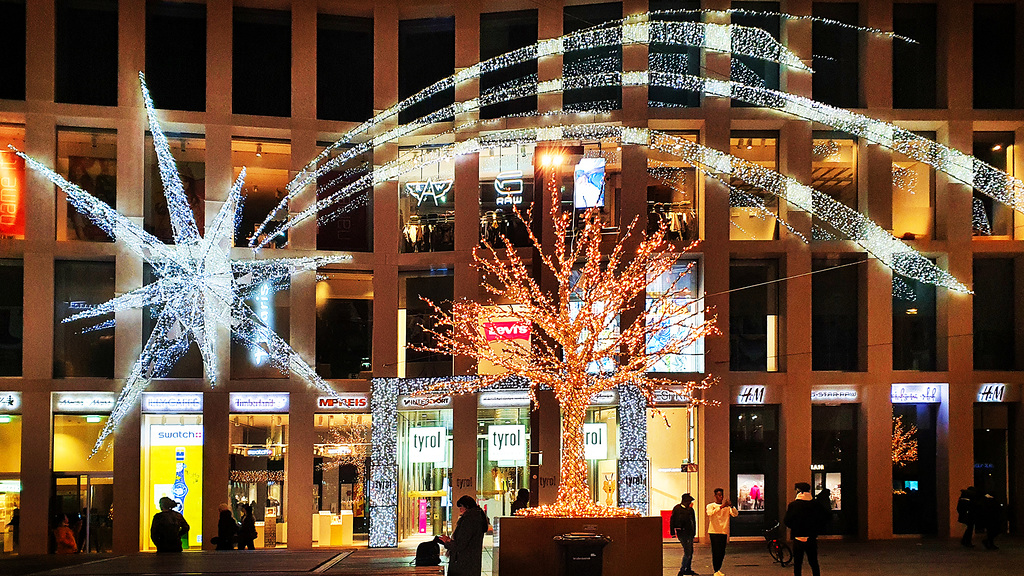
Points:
(577, 348)
(904, 443)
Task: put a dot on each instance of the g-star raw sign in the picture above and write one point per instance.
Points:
(176, 435)
(595, 441)
(833, 395)
(428, 444)
(512, 330)
(506, 442)
(508, 188)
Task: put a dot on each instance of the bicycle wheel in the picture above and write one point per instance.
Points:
(785, 554)
(773, 550)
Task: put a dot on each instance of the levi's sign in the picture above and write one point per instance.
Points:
(428, 444)
(506, 442)
(511, 330)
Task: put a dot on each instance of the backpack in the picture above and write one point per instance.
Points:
(428, 554)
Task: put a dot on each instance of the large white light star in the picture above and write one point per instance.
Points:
(199, 285)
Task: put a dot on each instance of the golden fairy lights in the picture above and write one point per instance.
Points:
(904, 442)
(570, 296)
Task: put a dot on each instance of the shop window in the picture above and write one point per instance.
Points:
(834, 457)
(425, 501)
(754, 315)
(750, 70)
(344, 68)
(10, 480)
(672, 197)
(190, 363)
(994, 442)
(989, 217)
(672, 442)
(753, 213)
(500, 33)
(426, 54)
(74, 436)
(674, 59)
(914, 65)
(835, 316)
(589, 176)
(587, 63)
(415, 316)
(341, 464)
(189, 152)
(915, 474)
(836, 78)
(995, 56)
(176, 55)
(347, 224)
(344, 324)
(426, 205)
(84, 347)
(994, 314)
(503, 448)
(12, 46)
(913, 324)
(261, 60)
(506, 187)
(834, 172)
(913, 196)
(267, 164)
(258, 460)
(12, 316)
(754, 466)
(684, 279)
(172, 467)
(601, 451)
(270, 302)
(13, 200)
(85, 61)
(88, 159)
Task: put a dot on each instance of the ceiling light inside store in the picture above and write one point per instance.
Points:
(259, 150)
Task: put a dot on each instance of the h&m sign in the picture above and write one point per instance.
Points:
(751, 395)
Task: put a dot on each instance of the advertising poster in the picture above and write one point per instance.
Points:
(750, 492)
(505, 333)
(12, 195)
(97, 176)
(588, 182)
(176, 471)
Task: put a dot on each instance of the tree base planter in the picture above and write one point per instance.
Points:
(528, 546)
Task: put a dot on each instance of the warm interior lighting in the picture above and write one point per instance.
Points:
(750, 143)
(997, 147)
(912, 311)
(551, 160)
(5, 419)
(93, 419)
(259, 150)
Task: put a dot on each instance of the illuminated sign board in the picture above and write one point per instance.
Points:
(670, 396)
(915, 394)
(176, 435)
(834, 395)
(273, 402)
(263, 305)
(424, 402)
(508, 188)
(83, 402)
(595, 441)
(437, 191)
(428, 444)
(512, 330)
(10, 402)
(605, 398)
(12, 194)
(504, 399)
(172, 402)
(588, 183)
(345, 402)
(751, 395)
(506, 442)
(258, 452)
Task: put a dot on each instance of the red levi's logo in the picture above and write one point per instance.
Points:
(511, 330)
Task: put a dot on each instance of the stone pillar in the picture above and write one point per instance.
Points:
(36, 475)
(216, 459)
(299, 469)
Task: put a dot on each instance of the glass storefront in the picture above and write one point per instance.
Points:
(12, 182)
(601, 451)
(341, 463)
(10, 471)
(672, 194)
(424, 472)
(87, 157)
(426, 204)
(258, 440)
(994, 435)
(834, 462)
(672, 445)
(506, 185)
(754, 465)
(503, 449)
(914, 465)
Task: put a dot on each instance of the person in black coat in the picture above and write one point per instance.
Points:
(683, 525)
(227, 529)
(966, 514)
(466, 544)
(522, 501)
(994, 518)
(247, 530)
(804, 518)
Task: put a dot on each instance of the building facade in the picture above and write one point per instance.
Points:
(823, 352)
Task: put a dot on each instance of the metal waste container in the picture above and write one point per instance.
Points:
(582, 553)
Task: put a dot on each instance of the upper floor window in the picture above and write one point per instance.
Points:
(426, 54)
(12, 46)
(914, 65)
(753, 213)
(995, 326)
(672, 198)
(754, 315)
(85, 61)
(835, 316)
(990, 217)
(836, 78)
(913, 196)
(673, 58)
(995, 56)
(189, 152)
(13, 188)
(348, 223)
(261, 62)
(83, 347)
(747, 69)
(176, 55)
(426, 206)
(87, 158)
(588, 63)
(267, 164)
(684, 280)
(500, 33)
(506, 186)
(12, 316)
(344, 68)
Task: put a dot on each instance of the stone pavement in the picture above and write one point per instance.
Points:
(905, 556)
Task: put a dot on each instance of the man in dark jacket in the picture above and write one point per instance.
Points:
(804, 518)
(683, 525)
(966, 508)
(168, 527)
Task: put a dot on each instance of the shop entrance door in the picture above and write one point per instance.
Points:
(87, 500)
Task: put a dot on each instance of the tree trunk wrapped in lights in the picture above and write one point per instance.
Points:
(573, 351)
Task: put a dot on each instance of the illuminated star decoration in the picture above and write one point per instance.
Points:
(436, 191)
(199, 286)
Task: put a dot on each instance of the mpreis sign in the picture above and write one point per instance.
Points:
(355, 402)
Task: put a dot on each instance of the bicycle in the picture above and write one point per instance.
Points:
(777, 547)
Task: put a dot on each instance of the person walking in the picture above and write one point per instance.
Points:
(804, 517)
(683, 525)
(994, 518)
(168, 527)
(719, 513)
(64, 536)
(227, 529)
(247, 529)
(966, 515)
(522, 500)
(465, 545)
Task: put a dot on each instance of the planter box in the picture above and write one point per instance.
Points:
(527, 545)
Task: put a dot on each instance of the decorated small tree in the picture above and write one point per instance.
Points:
(577, 348)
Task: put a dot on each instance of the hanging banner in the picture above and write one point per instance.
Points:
(12, 194)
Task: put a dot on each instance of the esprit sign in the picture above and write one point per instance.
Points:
(83, 402)
(915, 394)
(10, 402)
(506, 442)
(428, 444)
(176, 435)
(595, 441)
(512, 330)
(355, 402)
(274, 402)
(172, 402)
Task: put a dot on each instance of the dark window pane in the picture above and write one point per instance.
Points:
(344, 335)
(913, 324)
(752, 70)
(836, 78)
(835, 317)
(12, 46)
(674, 59)
(588, 62)
(344, 68)
(12, 312)
(989, 217)
(176, 55)
(190, 364)
(261, 60)
(914, 65)
(426, 54)
(751, 335)
(503, 32)
(86, 57)
(994, 321)
(83, 347)
(994, 55)
(439, 289)
(266, 302)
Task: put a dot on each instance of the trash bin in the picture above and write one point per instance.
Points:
(582, 553)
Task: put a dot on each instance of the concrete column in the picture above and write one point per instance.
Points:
(876, 57)
(40, 30)
(216, 460)
(299, 469)
(956, 35)
(303, 77)
(36, 475)
(128, 485)
(464, 453)
(549, 25)
(219, 27)
(875, 460)
(131, 59)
